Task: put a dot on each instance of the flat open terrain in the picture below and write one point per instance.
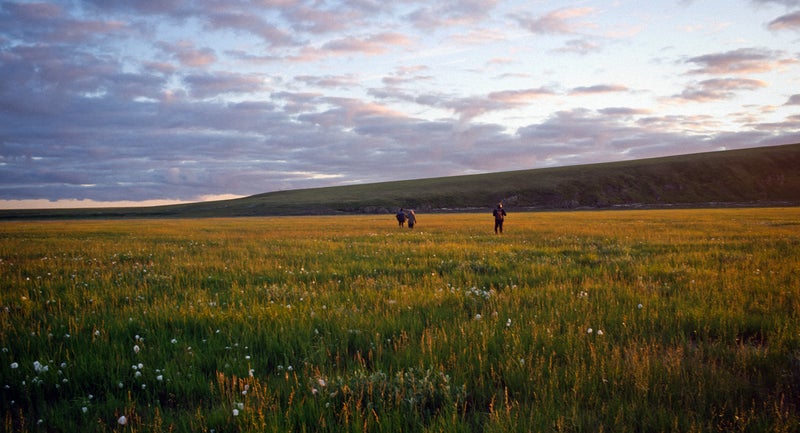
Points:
(680, 320)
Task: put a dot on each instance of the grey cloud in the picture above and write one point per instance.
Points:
(787, 3)
(188, 54)
(443, 14)
(599, 88)
(209, 85)
(246, 21)
(579, 46)
(739, 61)
(786, 22)
(719, 88)
(335, 81)
(560, 21)
(793, 100)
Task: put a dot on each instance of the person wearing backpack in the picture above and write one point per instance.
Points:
(401, 217)
(499, 216)
(412, 218)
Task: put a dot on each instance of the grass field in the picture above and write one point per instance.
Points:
(629, 321)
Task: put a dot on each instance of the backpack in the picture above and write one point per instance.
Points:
(401, 217)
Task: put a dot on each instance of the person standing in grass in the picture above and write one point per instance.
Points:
(412, 218)
(401, 217)
(499, 216)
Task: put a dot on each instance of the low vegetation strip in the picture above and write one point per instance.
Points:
(628, 321)
(765, 176)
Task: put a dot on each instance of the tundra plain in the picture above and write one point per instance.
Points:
(624, 321)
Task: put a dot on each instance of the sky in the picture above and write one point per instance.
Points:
(117, 102)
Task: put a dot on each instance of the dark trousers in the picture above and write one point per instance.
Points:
(498, 225)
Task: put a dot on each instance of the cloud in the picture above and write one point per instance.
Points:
(718, 89)
(598, 88)
(740, 61)
(579, 46)
(189, 55)
(50, 23)
(253, 24)
(210, 85)
(793, 100)
(560, 21)
(786, 22)
(373, 44)
(787, 3)
(332, 81)
(467, 107)
(350, 45)
(450, 13)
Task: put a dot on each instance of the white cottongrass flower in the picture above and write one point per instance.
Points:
(589, 331)
(240, 406)
(160, 378)
(599, 332)
(174, 341)
(639, 306)
(136, 348)
(236, 412)
(40, 368)
(14, 365)
(478, 316)
(122, 420)
(84, 409)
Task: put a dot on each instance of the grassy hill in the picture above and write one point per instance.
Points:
(765, 176)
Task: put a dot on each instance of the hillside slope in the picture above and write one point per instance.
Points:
(766, 176)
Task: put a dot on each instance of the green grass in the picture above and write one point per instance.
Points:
(584, 321)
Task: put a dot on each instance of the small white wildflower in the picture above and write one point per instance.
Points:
(236, 412)
(136, 348)
(84, 409)
(160, 378)
(599, 332)
(122, 420)
(14, 365)
(639, 306)
(478, 316)
(174, 341)
(589, 331)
